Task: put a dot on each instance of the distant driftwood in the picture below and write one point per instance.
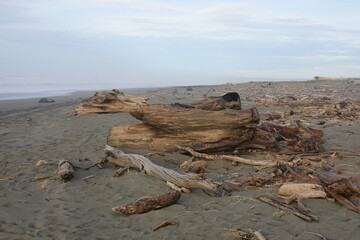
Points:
(46, 100)
(335, 78)
(112, 101)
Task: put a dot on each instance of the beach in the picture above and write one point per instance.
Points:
(81, 208)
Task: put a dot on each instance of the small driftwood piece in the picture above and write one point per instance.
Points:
(40, 163)
(187, 180)
(245, 234)
(119, 172)
(7, 178)
(65, 170)
(303, 190)
(163, 224)
(300, 205)
(227, 157)
(112, 101)
(293, 210)
(147, 204)
(179, 189)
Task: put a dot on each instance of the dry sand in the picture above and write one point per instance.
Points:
(81, 209)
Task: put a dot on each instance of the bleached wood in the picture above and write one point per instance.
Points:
(187, 180)
(303, 190)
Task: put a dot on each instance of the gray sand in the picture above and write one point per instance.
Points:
(81, 209)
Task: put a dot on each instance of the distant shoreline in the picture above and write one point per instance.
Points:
(29, 95)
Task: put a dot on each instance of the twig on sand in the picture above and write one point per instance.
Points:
(6, 178)
(42, 177)
(295, 211)
(88, 177)
(163, 224)
(316, 234)
(98, 164)
(228, 157)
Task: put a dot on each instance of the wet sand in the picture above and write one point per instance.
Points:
(81, 209)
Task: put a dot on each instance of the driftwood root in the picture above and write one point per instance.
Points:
(147, 204)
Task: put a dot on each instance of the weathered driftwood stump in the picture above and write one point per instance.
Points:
(147, 204)
(166, 126)
(65, 170)
(187, 180)
(112, 101)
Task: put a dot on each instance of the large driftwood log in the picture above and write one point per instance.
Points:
(112, 101)
(146, 204)
(167, 126)
(141, 136)
(188, 180)
(178, 119)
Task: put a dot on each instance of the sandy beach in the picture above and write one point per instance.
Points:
(81, 208)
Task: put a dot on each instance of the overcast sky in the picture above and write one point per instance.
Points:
(140, 43)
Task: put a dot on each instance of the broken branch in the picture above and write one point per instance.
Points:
(297, 212)
(227, 157)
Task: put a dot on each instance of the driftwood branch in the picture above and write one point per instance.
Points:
(163, 224)
(227, 157)
(188, 180)
(297, 212)
(343, 201)
(146, 204)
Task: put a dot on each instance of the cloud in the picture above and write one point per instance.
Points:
(225, 20)
(162, 6)
(240, 37)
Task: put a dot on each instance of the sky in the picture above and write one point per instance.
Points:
(84, 44)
